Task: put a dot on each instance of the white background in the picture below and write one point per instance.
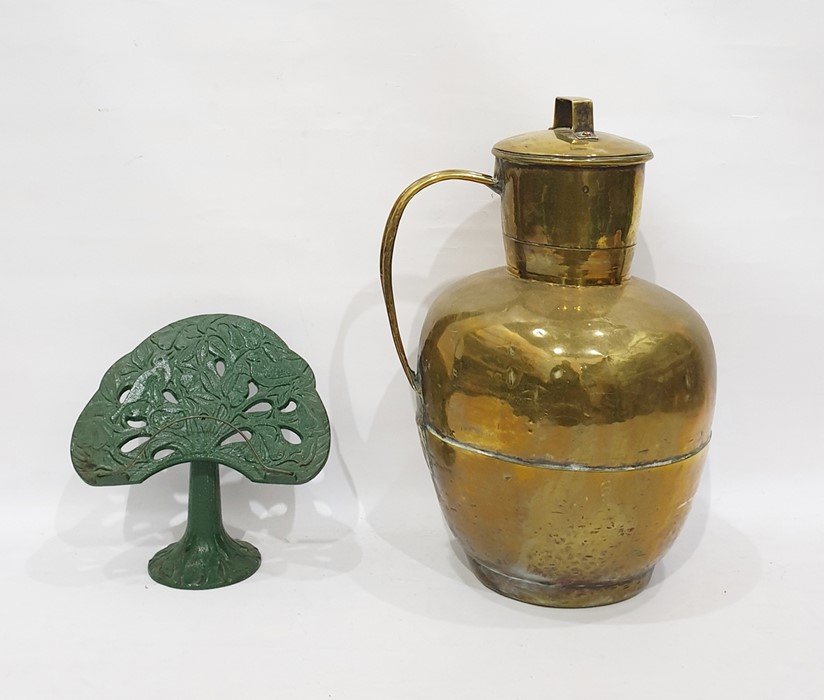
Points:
(164, 159)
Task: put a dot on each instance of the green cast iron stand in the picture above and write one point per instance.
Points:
(207, 390)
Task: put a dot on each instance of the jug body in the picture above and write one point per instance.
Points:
(564, 407)
(565, 428)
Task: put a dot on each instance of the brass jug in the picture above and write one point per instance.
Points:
(564, 407)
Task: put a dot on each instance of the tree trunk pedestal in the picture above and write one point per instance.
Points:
(205, 557)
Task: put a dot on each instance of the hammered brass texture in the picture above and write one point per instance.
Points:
(565, 429)
(617, 376)
(564, 407)
(570, 225)
(561, 537)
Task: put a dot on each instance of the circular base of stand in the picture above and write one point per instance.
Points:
(198, 563)
(559, 595)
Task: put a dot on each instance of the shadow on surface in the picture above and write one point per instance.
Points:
(112, 532)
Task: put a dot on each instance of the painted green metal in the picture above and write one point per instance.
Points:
(205, 557)
(212, 389)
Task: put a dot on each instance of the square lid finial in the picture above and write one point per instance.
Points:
(574, 113)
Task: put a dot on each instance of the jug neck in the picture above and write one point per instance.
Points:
(570, 224)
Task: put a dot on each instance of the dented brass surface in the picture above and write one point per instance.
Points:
(576, 534)
(564, 407)
(605, 376)
(560, 226)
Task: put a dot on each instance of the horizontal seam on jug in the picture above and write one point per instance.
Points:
(565, 466)
(563, 247)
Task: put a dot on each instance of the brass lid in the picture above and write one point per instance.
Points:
(572, 140)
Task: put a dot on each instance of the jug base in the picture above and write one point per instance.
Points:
(558, 595)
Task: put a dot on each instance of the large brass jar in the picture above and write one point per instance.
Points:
(564, 407)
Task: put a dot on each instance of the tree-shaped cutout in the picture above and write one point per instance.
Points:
(210, 390)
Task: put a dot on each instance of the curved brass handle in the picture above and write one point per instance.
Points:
(390, 232)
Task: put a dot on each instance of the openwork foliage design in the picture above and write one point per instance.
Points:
(216, 387)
